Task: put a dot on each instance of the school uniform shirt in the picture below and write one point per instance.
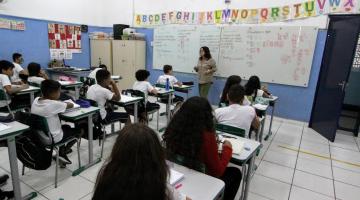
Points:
(100, 95)
(35, 79)
(259, 93)
(144, 87)
(50, 109)
(4, 81)
(93, 73)
(162, 79)
(215, 163)
(17, 69)
(203, 67)
(236, 115)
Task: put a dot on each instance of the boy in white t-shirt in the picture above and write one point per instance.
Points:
(6, 71)
(18, 70)
(142, 84)
(168, 74)
(236, 114)
(50, 107)
(106, 89)
(93, 72)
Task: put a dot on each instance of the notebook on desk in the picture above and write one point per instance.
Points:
(237, 144)
(175, 177)
(76, 106)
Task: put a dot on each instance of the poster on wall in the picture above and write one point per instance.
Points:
(12, 24)
(64, 40)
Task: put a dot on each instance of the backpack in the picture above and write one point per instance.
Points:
(30, 150)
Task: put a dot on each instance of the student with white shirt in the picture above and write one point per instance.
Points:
(106, 89)
(136, 168)
(142, 84)
(253, 88)
(50, 107)
(168, 75)
(18, 70)
(36, 75)
(236, 114)
(93, 72)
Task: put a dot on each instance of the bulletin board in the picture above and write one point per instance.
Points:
(64, 40)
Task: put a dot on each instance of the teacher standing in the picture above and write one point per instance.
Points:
(205, 68)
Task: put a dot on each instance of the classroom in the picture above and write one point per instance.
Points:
(180, 99)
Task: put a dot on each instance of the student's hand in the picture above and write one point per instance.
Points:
(69, 105)
(227, 144)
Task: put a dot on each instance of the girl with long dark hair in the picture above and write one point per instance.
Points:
(191, 136)
(231, 80)
(253, 88)
(136, 168)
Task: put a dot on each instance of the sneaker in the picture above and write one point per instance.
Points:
(3, 179)
(64, 159)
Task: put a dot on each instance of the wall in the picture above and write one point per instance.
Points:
(156, 6)
(352, 92)
(294, 102)
(33, 43)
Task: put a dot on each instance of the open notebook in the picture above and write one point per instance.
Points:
(76, 106)
(175, 177)
(237, 145)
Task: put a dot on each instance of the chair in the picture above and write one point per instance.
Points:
(230, 129)
(142, 104)
(40, 124)
(5, 104)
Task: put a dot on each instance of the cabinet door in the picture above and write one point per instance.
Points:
(140, 57)
(101, 51)
(123, 62)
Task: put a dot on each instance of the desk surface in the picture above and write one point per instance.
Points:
(273, 98)
(79, 114)
(127, 99)
(70, 83)
(29, 90)
(198, 186)
(163, 91)
(16, 128)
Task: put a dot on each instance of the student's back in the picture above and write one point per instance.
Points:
(136, 168)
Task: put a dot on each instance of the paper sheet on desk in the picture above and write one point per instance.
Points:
(3, 127)
(237, 145)
(175, 177)
(66, 82)
(260, 106)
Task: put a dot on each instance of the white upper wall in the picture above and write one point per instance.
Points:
(109, 12)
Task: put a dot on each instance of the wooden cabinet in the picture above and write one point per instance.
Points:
(128, 57)
(101, 51)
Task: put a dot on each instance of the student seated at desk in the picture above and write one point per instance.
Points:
(168, 74)
(136, 168)
(6, 71)
(253, 89)
(231, 80)
(191, 137)
(236, 114)
(19, 72)
(93, 72)
(142, 84)
(106, 89)
(49, 107)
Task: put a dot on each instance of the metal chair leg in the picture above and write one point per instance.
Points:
(56, 166)
(78, 151)
(157, 122)
(103, 143)
(23, 170)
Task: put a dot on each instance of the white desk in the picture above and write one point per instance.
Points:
(263, 109)
(248, 155)
(72, 84)
(272, 102)
(16, 128)
(163, 92)
(128, 100)
(75, 116)
(31, 90)
(199, 186)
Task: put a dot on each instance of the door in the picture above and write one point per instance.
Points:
(343, 32)
(101, 52)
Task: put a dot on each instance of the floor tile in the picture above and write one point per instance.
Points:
(298, 193)
(315, 148)
(313, 136)
(253, 196)
(346, 192)
(281, 158)
(87, 197)
(269, 188)
(284, 148)
(345, 142)
(91, 173)
(314, 168)
(341, 156)
(276, 171)
(346, 176)
(287, 139)
(325, 160)
(315, 183)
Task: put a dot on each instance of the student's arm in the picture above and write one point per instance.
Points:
(43, 75)
(177, 82)
(116, 96)
(151, 89)
(14, 89)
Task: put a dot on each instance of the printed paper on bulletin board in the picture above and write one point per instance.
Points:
(62, 36)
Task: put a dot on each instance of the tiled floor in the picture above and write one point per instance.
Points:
(296, 163)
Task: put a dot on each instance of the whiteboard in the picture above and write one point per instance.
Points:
(280, 55)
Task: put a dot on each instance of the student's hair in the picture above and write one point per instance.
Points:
(49, 86)
(102, 75)
(142, 75)
(5, 65)
(34, 69)
(232, 80)
(136, 168)
(236, 93)
(16, 56)
(184, 134)
(102, 66)
(167, 68)
(207, 53)
(252, 86)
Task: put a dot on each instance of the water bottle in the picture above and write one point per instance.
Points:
(167, 85)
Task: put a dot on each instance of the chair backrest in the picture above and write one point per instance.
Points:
(230, 129)
(40, 125)
(87, 80)
(160, 85)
